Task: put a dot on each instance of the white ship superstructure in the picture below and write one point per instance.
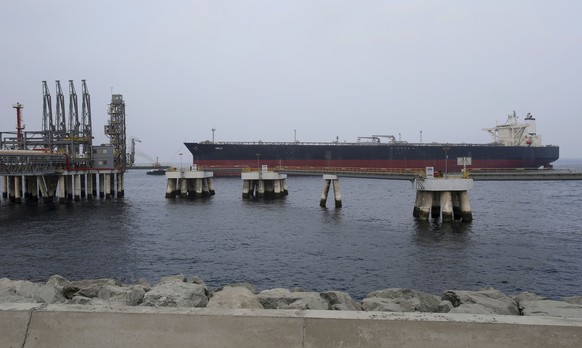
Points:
(513, 133)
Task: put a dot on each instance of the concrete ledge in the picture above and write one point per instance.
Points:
(263, 176)
(442, 184)
(75, 326)
(14, 319)
(188, 174)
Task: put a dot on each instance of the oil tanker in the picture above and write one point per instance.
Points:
(514, 144)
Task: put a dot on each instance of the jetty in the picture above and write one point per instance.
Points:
(191, 183)
(264, 183)
(60, 160)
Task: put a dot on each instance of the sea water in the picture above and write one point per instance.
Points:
(525, 236)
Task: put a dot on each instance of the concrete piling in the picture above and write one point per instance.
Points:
(101, 185)
(189, 183)
(329, 181)
(17, 190)
(170, 188)
(210, 186)
(83, 178)
(446, 206)
(90, 186)
(62, 189)
(443, 197)
(77, 179)
(4, 187)
(65, 186)
(435, 209)
(425, 204)
(120, 185)
(466, 213)
(264, 184)
(324, 194)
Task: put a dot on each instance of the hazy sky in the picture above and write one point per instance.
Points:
(259, 70)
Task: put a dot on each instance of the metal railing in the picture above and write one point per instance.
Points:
(16, 164)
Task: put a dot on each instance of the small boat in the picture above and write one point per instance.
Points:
(157, 170)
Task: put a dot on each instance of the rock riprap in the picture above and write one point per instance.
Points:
(179, 291)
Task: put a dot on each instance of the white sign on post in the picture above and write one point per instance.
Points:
(430, 172)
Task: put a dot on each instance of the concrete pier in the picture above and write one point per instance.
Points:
(189, 183)
(443, 197)
(264, 184)
(66, 186)
(329, 181)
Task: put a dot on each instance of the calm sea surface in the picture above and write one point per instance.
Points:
(525, 237)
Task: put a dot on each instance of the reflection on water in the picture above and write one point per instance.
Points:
(333, 216)
(436, 226)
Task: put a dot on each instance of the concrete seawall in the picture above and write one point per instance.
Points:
(38, 325)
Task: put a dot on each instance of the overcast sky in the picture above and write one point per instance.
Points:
(259, 70)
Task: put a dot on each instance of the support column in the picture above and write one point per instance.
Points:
(325, 192)
(261, 189)
(83, 184)
(254, 188)
(435, 209)
(284, 185)
(277, 188)
(69, 186)
(11, 188)
(417, 203)
(246, 189)
(77, 183)
(111, 185)
(44, 192)
(62, 189)
(17, 190)
(183, 187)
(108, 186)
(456, 205)
(90, 187)
(447, 206)
(101, 185)
(337, 194)
(120, 185)
(210, 186)
(4, 187)
(198, 184)
(205, 189)
(170, 188)
(33, 179)
(94, 184)
(466, 213)
(191, 184)
(26, 184)
(425, 204)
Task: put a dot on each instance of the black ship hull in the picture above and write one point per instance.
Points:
(238, 156)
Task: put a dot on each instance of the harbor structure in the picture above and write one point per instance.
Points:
(192, 183)
(446, 197)
(264, 183)
(331, 180)
(60, 160)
